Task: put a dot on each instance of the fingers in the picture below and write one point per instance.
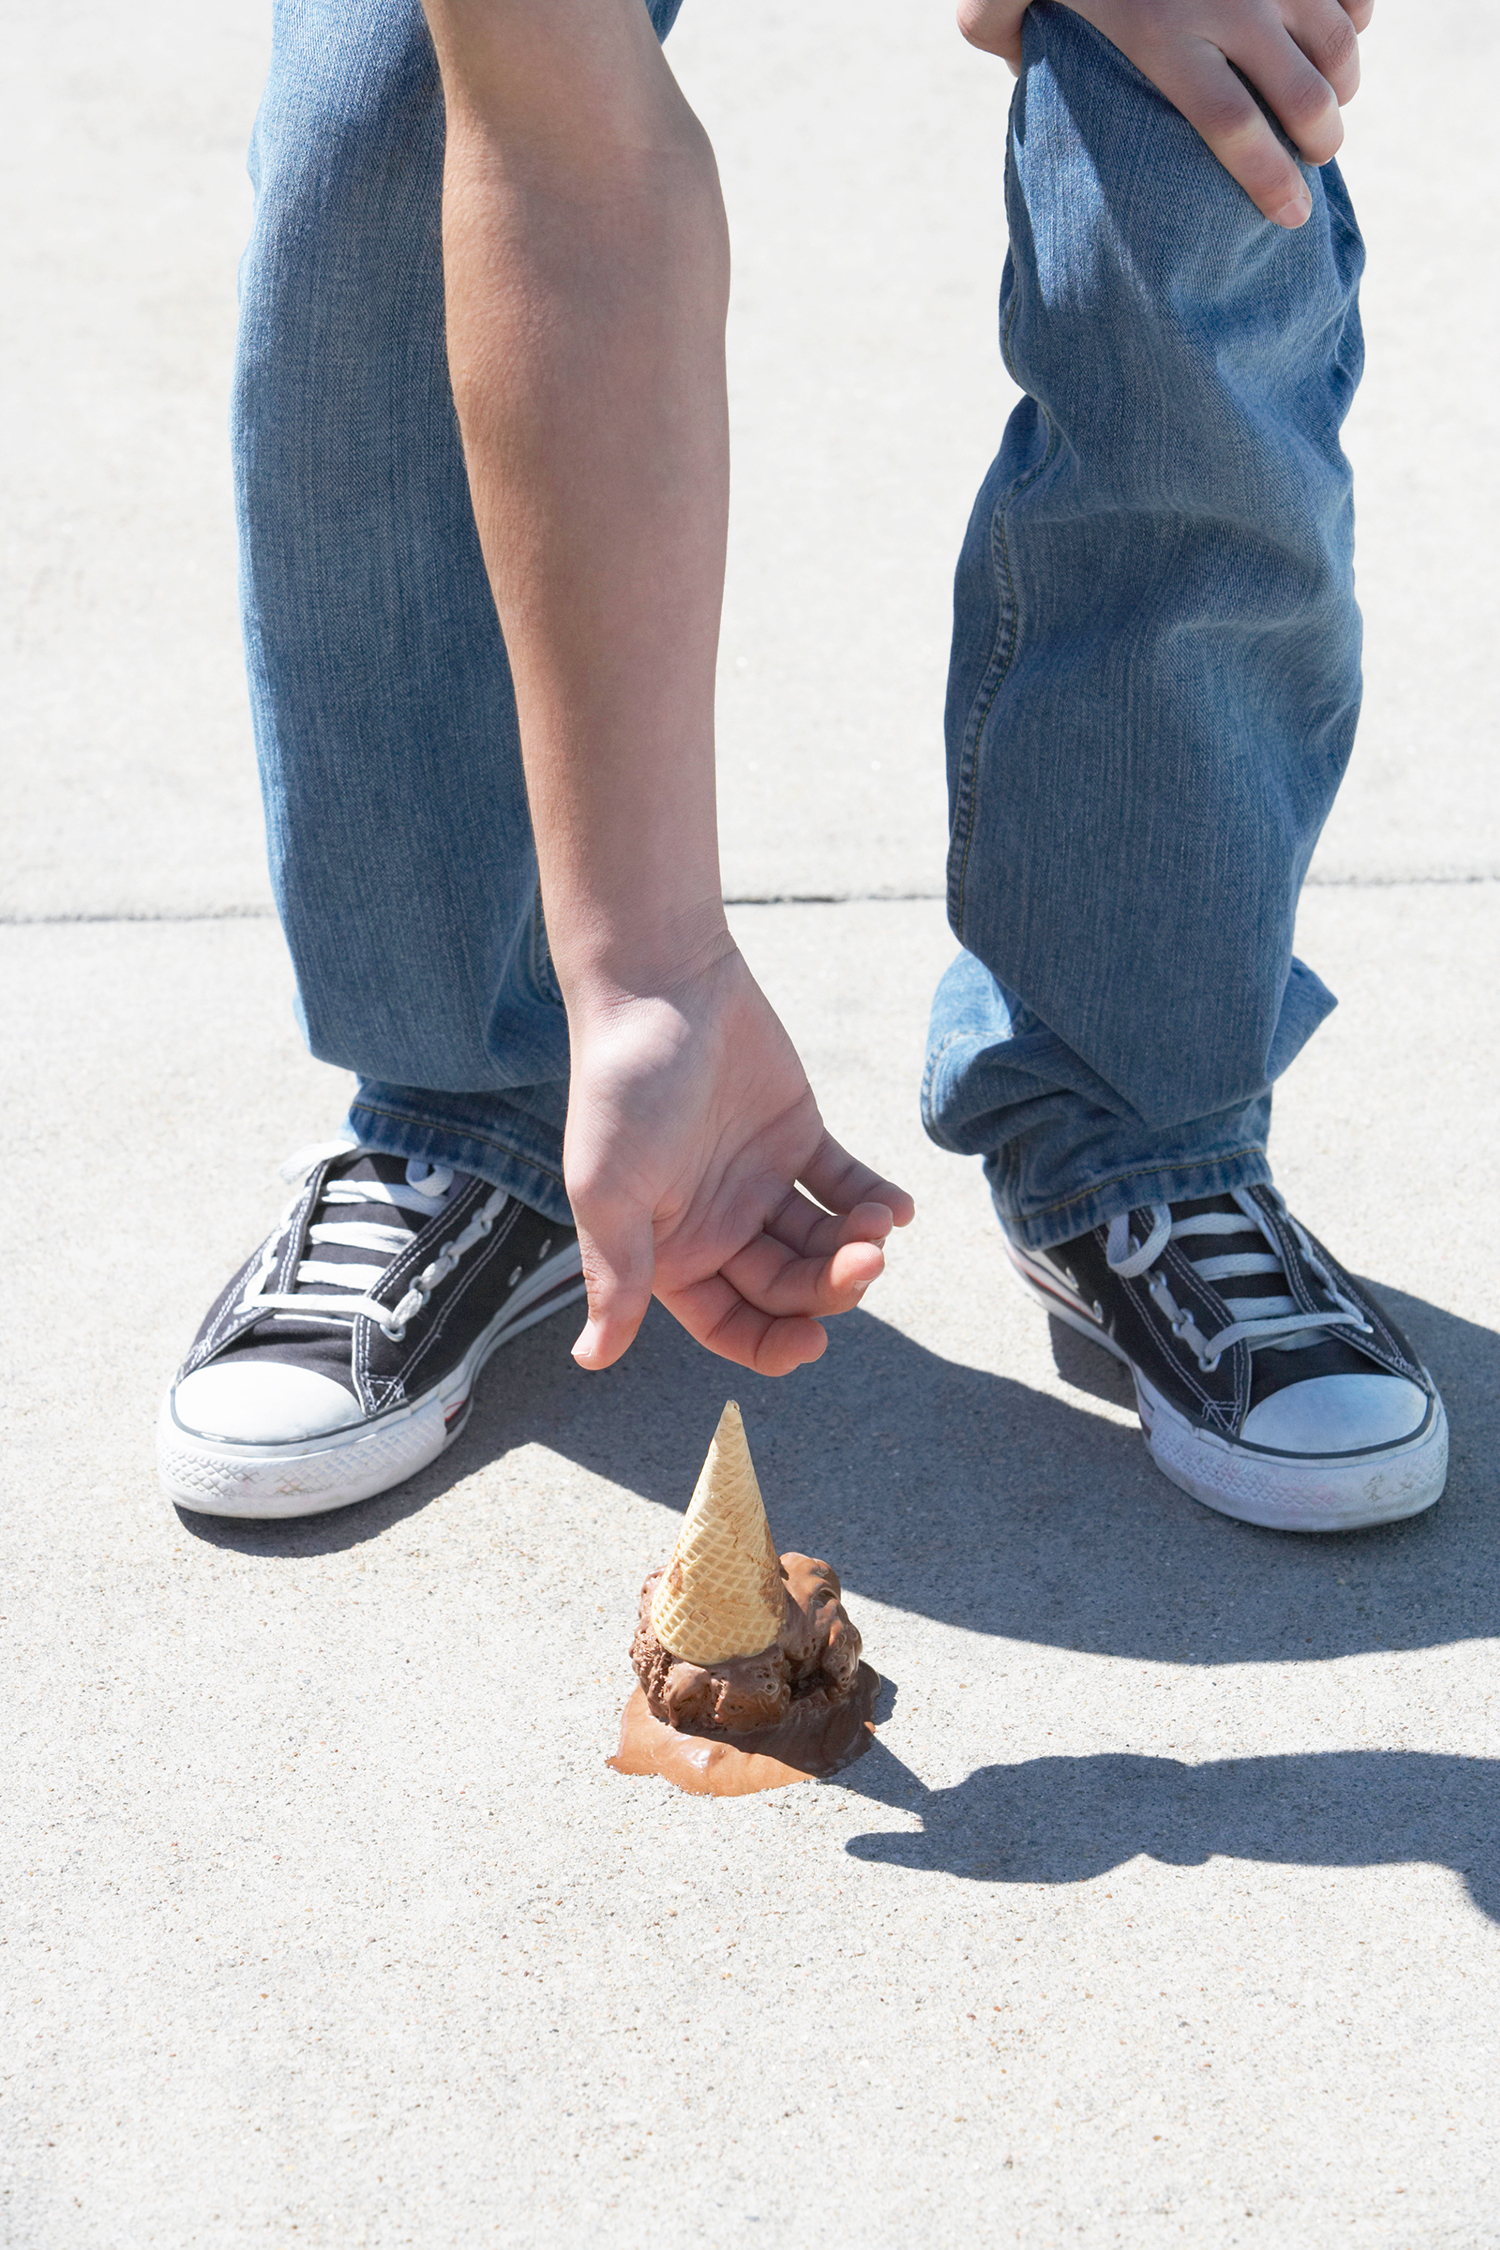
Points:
(765, 1307)
(815, 1233)
(619, 1267)
(1304, 71)
(1196, 79)
(775, 1280)
(840, 1182)
(1302, 57)
(1328, 34)
(718, 1317)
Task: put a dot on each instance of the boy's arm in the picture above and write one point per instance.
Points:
(586, 267)
(1302, 57)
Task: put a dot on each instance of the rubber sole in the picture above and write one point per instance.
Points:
(1278, 1491)
(270, 1483)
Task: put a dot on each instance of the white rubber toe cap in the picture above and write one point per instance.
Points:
(1337, 1414)
(263, 1402)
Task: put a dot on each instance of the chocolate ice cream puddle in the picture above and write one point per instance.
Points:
(812, 1669)
(748, 1663)
(815, 1739)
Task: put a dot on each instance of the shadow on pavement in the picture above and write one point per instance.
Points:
(1066, 1820)
(966, 1496)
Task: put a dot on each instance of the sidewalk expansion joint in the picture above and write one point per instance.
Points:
(1458, 879)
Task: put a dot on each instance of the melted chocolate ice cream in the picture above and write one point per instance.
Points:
(813, 1663)
(803, 1707)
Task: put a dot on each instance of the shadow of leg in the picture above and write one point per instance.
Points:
(1067, 1820)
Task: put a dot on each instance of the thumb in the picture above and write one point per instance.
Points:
(619, 1267)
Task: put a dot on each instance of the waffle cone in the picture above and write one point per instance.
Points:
(721, 1594)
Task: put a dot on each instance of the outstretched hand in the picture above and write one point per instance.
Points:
(700, 1172)
(1301, 56)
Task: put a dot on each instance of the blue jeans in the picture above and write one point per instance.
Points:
(1155, 672)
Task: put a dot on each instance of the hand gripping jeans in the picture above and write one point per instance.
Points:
(1155, 666)
(1155, 673)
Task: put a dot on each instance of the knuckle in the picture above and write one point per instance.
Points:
(1308, 106)
(1228, 119)
(599, 1282)
(1337, 48)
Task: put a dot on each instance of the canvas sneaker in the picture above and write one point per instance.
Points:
(1270, 1385)
(342, 1356)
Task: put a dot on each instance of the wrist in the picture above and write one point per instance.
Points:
(605, 960)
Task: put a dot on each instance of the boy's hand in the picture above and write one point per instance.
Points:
(1302, 57)
(690, 1125)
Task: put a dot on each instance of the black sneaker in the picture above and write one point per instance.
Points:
(342, 1356)
(1292, 1401)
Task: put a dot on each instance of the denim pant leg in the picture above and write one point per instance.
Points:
(1155, 671)
(385, 725)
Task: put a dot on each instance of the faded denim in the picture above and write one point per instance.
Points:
(1155, 663)
(1155, 670)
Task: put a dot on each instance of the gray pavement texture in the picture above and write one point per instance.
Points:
(1167, 1907)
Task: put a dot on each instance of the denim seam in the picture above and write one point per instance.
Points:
(995, 673)
(998, 671)
(1144, 1171)
(950, 1039)
(464, 1132)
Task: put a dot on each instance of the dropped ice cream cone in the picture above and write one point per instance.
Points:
(748, 1664)
(721, 1595)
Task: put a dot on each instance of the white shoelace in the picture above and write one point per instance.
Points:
(424, 1197)
(1259, 1321)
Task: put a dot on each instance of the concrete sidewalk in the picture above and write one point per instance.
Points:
(1168, 1906)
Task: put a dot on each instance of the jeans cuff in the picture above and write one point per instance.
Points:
(1096, 1206)
(489, 1155)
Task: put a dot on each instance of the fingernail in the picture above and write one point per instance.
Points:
(1295, 211)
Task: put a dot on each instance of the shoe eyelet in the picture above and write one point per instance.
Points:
(516, 1272)
(545, 1251)
(1208, 1365)
(1098, 1312)
(394, 1335)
